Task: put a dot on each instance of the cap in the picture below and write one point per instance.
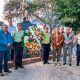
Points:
(19, 24)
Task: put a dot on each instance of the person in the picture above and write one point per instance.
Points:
(46, 45)
(11, 28)
(67, 46)
(78, 48)
(5, 44)
(25, 24)
(74, 49)
(43, 27)
(57, 41)
(61, 29)
(18, 47)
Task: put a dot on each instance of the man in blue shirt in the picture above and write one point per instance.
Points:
(11, 28)
(5, 44)
(25, 24)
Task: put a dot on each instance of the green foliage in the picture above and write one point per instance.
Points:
(34, 6)
(68, 12)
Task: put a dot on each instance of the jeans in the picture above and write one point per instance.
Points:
(67, 52)
(4, 56)
(74, 50)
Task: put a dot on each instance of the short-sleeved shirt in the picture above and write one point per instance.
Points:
(47, 37)
(17, 35)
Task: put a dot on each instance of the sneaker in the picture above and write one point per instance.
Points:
(21, 66)
(59, 63)
(77, 65)
(1, 74)
(70, 64)
(64, 63)
(47, 63)
(8, 71)
(44, 63)
(15, 68)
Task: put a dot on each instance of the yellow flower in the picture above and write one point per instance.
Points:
(27, 44)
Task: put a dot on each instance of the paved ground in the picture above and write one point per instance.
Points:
(38, 71)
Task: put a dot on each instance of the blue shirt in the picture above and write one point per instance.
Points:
(4, 40)
(11, 29)
(25, 25)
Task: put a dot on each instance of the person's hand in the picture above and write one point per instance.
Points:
(74, 42)
(57, 44)
(67, 42)
(9, 44)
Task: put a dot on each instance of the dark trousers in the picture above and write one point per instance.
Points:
(18, 50)
(46, 50)
(78, 54)
(12, 54)
(4, 56)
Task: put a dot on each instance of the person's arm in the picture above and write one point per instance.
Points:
(61, 41)
(71, 39)
(10, 39)
(52, 41)
(64, 39)
(13, 33)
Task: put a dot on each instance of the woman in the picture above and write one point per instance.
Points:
(74, 43)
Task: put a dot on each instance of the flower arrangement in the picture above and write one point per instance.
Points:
(30, 41)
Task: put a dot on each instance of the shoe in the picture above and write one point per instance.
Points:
(21, 66)
(70, 64)
(55, 63)
(8, 71)
(15, 68)
(47, 63)
(59, 63)
(64, 63)
(1, 74)
(44, 62)
(77, 65)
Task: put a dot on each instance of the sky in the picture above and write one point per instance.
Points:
(1, 9)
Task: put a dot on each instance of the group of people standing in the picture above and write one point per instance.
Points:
(11, 45)
(58, 39)
(64, 41)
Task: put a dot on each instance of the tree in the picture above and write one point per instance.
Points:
(68, 12)
(43, 10)
(18, 7)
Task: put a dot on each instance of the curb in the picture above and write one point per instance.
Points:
(28, 61)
